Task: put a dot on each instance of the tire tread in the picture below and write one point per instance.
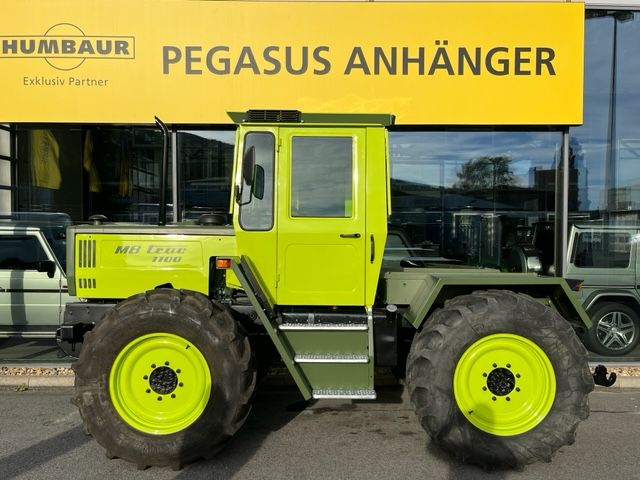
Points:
(437, 348)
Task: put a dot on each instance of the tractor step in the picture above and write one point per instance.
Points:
(333, 352)
(366, 394)
(362, 327)
(315, 358)
(324, 320)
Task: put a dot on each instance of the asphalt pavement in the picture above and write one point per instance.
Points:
(41, 438)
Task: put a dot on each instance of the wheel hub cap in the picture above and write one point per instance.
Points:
(501, 381)
(163, 380)
(504, 384)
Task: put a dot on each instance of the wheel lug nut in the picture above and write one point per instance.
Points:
(517, 375)
(166, 363)
(484, 389)
(159, 399)
(508, 365)
(146, 377)
(178, 371)
(173, 395)
(517, 389)
(148, 390)
(495, 365)
(508, 399)
(181, 384)
(153, 365)
(484, 374)
(493, 398)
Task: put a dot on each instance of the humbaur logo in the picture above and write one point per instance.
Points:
(65, 46)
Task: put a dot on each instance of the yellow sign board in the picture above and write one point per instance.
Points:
(190, 62)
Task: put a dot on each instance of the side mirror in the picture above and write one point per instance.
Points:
(248, 165)
(48, 266)
(258, 183)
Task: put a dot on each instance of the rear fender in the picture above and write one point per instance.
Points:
(435, 288)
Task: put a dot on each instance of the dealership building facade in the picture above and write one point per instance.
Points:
(468, 190)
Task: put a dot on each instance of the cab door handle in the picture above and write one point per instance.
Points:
(349, 235)
(373, 248)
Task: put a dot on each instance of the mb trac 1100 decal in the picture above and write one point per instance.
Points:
(157, 253)
(441, 59)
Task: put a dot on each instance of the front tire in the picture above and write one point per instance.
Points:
(499, 380)
(164, 379)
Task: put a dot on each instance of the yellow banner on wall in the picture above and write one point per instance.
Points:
(190, 62)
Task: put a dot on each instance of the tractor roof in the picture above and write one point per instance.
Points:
(295, 116)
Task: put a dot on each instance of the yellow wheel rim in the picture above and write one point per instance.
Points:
(160, 383)
(504, 384)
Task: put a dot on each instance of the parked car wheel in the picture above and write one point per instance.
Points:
(615, 330)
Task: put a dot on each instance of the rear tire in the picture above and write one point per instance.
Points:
(495, 336)
(165, 378)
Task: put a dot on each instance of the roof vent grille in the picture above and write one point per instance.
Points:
(274, 116)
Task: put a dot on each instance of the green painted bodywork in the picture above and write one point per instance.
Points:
(342, 342)
(424, 289)
(310, 377)
(271, 328)
(383, 119)
(117, 261)
(307, 260)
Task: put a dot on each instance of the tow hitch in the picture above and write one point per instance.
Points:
(600, 377)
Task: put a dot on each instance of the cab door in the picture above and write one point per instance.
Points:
(321, 217)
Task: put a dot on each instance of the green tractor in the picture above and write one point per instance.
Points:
(174, 318)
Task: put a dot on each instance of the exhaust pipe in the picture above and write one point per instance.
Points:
(162, 214)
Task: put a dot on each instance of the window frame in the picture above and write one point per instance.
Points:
(240, 205)
(353, 186)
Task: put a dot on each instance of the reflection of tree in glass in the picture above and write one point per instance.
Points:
(485, 172)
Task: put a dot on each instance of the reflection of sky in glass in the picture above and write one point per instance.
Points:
(628, 102)
(594, 135)
(435, 158)
(224, 136)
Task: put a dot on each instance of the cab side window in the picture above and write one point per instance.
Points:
(20, 252)
(322, 177)
(256, 194)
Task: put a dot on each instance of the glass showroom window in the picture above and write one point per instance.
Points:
(606, 149)
(205, 162)
(6, 170)
(605, 152)
(470, 197)
(85, 170)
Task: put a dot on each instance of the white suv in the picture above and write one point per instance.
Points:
(33, 284)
